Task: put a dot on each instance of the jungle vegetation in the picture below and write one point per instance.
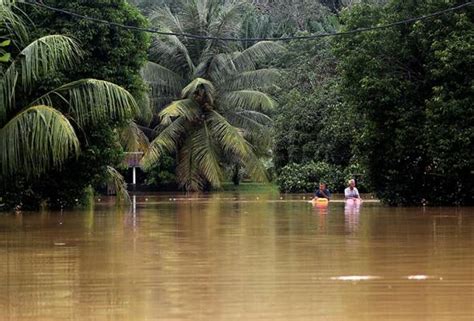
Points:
(391, 107)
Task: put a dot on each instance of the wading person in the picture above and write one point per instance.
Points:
(351, 192)
(322, 192)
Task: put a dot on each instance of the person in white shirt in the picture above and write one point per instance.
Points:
(351, 192)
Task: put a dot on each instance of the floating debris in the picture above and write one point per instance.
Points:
(418, 277)
(355, 278)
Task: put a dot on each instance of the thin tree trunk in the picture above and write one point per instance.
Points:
(235, 175)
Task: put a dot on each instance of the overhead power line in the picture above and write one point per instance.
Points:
(289, 38)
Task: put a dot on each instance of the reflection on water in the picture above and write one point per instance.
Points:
(235, 257)
(352, 213)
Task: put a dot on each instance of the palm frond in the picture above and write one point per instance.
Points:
(255, 132)
(232, 141)
(167, 141)
(227, 22)
(186, 108)
(174, 46)
(158, 75)
(205, 156)
(157, 103)
(221, 67)
(255, 168)
(247, 100)
(35, 140)
(145, 115)
(117, 180)
(195, 12)
(259, 52)
(8, 2)
(91, 101)
(229, 137)
(191, 88)
(256, 116)
(187, 170)
(254, 79)
(164, 17)
(163, 51)
(249, 122)
(133, 139)
(45, 55)
(13, 25)
(8, 82)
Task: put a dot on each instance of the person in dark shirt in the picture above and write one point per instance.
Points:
(322, 192)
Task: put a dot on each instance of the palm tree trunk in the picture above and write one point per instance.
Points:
(235, 175)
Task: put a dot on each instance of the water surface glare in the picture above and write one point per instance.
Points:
(232, 256)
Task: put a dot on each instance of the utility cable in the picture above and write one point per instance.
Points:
(289, 38)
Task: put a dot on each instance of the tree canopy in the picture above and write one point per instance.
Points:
(413, 86)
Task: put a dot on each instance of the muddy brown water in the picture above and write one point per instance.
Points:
(234, 256)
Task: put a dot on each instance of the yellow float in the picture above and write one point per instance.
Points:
(320, 201)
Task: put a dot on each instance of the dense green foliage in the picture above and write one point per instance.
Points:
(305, 178)
(413, 85)
(148, 6)
(112, 54)
(162, 174)
(313, 124)
(56, 190)
(95, 107)
(390, 107)
(282, 17)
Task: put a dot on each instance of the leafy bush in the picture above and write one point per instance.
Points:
(304, 178)
(359, 173)
(162, 173)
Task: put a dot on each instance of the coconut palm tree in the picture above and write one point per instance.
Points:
(215, 106)
(42, 134)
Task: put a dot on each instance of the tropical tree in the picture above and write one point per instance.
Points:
(216, 107)
(413, 88)
(39, 135)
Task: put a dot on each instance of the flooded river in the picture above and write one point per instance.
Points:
(238, 257)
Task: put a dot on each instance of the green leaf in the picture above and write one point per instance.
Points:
(93, 101)
(168, 140)
(45, 55)
(5, 43)
(186, 108)
(261, 51)
(117, 180)
(5, 57)
(35, 140)
(247, 100)
(159, 76)
(133, 139)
